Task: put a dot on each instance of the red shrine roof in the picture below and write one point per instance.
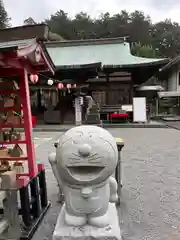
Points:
(30, 54)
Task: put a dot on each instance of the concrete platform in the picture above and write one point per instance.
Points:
(87, 232)
(173, 124)
(63, 128)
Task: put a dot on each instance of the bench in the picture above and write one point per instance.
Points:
(106, 110)
(119, 116)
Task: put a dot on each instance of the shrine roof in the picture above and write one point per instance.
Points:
(111, 53)
(168, 67)
(33, 53)
(17, 43)
(39, 31)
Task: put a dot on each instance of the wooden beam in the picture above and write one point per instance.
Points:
(46, 61)
(8, 54)
(27, 65)
(9, 72)
(107, 88)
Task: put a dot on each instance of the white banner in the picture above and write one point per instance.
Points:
(139, 109)
(78, 112)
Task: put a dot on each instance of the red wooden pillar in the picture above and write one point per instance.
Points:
(25, 100)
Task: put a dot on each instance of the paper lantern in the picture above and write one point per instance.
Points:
(60, 85)
(34, 78)
(74, 85)
(68, 86)
(50, 82)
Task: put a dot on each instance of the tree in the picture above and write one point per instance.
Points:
(4, 19)
(143, 50)
(51, 37)
(139, 27)
(55, 37)
(29, 21)
(118, 25)
(166, 38)
(61, 24)
(82, 26)
(161, 39)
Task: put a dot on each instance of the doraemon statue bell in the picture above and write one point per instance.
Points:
(86, 158)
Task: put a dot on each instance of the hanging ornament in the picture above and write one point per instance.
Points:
(60, 85)
(34, 78)
(50, 82)
(68, 87)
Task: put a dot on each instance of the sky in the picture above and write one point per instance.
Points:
(19, 10)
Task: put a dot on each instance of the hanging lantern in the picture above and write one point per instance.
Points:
(50, 82)
(68, 86)
(60, 85)
(74, 85)
(34, 78)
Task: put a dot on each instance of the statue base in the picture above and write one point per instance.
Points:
(92, 118)
(111, 232)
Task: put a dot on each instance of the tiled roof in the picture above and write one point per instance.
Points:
(111, 53)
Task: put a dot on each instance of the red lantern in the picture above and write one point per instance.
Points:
(60, 85)
(34, 78)
(68, 86)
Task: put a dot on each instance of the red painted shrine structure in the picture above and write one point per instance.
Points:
(18, 59)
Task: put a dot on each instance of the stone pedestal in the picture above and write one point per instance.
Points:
(87, 232)
(93, 118)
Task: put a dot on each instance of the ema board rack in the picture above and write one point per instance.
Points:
(23, 192)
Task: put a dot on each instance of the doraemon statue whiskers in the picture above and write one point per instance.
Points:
(86, 158)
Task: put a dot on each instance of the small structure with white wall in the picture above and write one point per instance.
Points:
(170, 75)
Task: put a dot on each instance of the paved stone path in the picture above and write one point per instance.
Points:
(150, 204)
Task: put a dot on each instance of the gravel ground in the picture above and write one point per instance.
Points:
(150, 203)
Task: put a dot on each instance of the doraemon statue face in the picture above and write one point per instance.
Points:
(86, 155)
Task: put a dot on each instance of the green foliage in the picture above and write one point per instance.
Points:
(4, 19)
(29, 21)
(52, 36)
(143, 50)
(151, 40)
(55, 37)
(161, 39)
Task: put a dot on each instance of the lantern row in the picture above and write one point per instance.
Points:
(34, 79)
(61, 85)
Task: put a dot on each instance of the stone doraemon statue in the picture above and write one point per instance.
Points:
(86, 158)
